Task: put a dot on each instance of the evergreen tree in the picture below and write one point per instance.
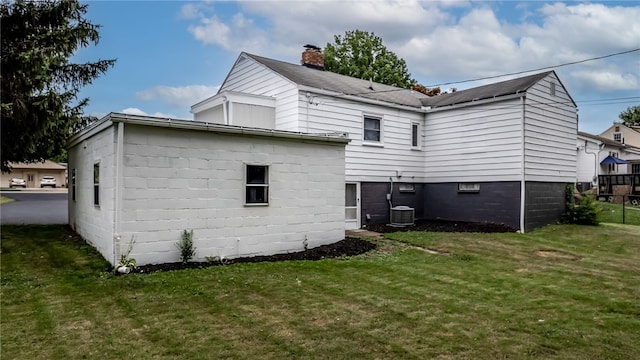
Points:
(39, 85)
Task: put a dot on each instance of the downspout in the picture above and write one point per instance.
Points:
(523, 170)
(596, 155)
(117, 201)
(389, 195)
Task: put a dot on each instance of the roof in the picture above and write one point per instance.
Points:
(603, 140)
(347, 85)
(43, 165)
(334, 137)
(502, 88)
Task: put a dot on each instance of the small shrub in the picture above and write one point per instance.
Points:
(185, 245)
(584, 213)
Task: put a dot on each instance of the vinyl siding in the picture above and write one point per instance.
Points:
(366, 162)
(474, 143)
(251, 77)
(550, 134)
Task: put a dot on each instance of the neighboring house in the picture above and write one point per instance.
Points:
(629, 135)
(32, 173)
(605, 164)
(243, 191)
(500, 153)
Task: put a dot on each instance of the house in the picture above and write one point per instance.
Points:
(32, 173)
(609, 165)
(629, 135)
(500, 153)
(243, 191)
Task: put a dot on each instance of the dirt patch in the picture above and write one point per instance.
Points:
(346, 247)
(557, 255)
(445, 226)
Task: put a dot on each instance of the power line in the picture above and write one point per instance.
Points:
(538, 69)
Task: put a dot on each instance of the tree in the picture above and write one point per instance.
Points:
(362, 55)
(631, 116)
(39, 86)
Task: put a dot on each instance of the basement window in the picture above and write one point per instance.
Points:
(257, 185)
(407, 188)
(468, 187)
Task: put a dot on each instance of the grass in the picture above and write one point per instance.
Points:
(5, 200)
(612, 213)
(561, 292)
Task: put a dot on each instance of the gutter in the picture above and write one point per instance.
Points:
(118, 185)
(356, 98)
(336, 137)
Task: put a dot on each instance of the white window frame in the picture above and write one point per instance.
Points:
(380, 140)
(264, 185)
(406, 188)
(618, 136)
(469, 187)
(96, 184)
(418, 130)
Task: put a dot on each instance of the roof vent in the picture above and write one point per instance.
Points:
(312, 57)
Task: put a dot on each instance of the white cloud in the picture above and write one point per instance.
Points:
(136, 111)
(442, 41)
(183, 96)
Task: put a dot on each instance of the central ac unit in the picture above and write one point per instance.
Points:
(402, 216)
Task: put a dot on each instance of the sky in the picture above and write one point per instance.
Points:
(173, 54)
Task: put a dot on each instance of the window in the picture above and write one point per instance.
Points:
(96, 184)
(415, 135)
(469, 187)
(552, 89)
(372, 129)
(635, 168)
(257, 186)
(617, 137)
(73, 184)
(407, 188)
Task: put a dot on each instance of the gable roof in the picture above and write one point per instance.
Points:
(603, 140)
(502, 88)
(346, 85)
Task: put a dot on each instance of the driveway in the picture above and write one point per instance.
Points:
(34, 207)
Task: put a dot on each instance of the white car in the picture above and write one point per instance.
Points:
(48, 181)
(17, 182)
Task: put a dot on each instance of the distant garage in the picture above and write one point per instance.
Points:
(32, 173)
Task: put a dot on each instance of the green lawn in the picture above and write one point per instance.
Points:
(612, 213)
(562, 292)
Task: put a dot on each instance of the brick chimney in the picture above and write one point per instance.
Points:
(312, 57)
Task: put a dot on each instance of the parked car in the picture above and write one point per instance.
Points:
(48, 181)
(17, 182)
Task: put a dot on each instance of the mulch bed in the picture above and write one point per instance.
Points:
(347, 247)
(445, 226)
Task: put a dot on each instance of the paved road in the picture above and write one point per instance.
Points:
(40, 207)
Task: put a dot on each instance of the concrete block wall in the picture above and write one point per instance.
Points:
(183, 179)
(94, 223)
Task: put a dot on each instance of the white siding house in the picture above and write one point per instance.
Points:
(499, 153)
(243, 191)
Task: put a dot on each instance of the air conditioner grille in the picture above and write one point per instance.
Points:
(402, 216)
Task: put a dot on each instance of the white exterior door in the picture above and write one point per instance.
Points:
(352, 206)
